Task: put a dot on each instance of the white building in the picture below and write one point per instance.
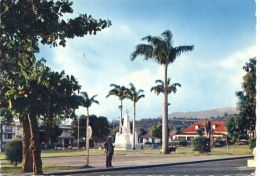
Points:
(9, 132)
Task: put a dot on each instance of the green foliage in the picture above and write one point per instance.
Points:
(200, 144)
(50, 132)
(235, 128)
(159, 88)
(183, 143)
(157, 131)
(219, 142)
(99, 125)
(247, 97)
(13, 151)
(200, 131)
(252, 143)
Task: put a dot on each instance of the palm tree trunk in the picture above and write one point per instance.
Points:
(27, 161)
(35, 145)
(133, 147)
(87, 137)
(165, 115)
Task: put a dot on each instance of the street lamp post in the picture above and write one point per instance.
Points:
(1, 137)
(78, 134)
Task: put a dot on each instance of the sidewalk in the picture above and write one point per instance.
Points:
(97, 163)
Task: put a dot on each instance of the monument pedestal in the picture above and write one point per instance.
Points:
(124, 141)
(251, 163)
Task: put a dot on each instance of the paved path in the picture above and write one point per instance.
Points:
(97, 163)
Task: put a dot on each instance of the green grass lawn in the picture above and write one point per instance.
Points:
(181, 151)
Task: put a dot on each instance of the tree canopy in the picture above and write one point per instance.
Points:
(25, 24)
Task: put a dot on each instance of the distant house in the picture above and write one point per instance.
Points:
(66, 137)
(172, 135)
(148, 138)
(9, 132)
(191, 132)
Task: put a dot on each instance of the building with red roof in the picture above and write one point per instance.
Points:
(191, 132)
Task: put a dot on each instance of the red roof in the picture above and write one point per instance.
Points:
(172, 133)
(220, 128)
(148, 135)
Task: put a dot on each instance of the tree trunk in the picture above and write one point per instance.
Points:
(35, 145)
(133, 147)
(165, 146)
(27, 161)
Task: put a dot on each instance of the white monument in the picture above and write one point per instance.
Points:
(124, 141)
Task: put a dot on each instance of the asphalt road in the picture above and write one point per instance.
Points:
(237, 167)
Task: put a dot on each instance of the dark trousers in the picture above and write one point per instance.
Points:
(109, 156)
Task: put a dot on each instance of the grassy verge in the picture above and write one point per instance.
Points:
(7, 169)
(181, 151)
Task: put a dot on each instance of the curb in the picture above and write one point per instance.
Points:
(141, 166)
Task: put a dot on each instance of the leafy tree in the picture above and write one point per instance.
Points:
(135, 96)
(247, 97)
(235, 128)
(252, 143)
(13, 151)
(99, 125)
(50, 133)
(24, 24)
(35, 95)
(161, 49)
(118, 91)
(157, 131)
(201, 144)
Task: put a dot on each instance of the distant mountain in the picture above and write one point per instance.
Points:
(205, 114)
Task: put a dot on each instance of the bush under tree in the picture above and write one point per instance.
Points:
(201, 144)
(183, 143)
(13, 151)
(252, 143)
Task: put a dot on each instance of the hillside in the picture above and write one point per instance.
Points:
(205, 114)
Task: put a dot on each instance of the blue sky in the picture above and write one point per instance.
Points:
(223, 33)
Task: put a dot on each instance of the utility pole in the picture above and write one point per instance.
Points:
(78, 134)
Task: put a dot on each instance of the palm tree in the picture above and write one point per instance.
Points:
(161, 50)
(159, 88)
(134, 95)
(86, 102)
(118, 91)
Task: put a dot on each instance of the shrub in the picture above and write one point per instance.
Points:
(13, 151)
(183, 143)
(243, 136)
(200, 144)
(252, 143)
(219, 142)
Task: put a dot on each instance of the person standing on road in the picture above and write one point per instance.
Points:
(109, 150)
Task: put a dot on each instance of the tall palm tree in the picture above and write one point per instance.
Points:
(159, 88)
(134, 95)
(86, 102)
(161, 50)
(118, 91)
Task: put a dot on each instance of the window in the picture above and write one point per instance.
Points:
(8, 128)
(8, 136)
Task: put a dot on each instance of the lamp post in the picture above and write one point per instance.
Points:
(78, 134)
(1, 137)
